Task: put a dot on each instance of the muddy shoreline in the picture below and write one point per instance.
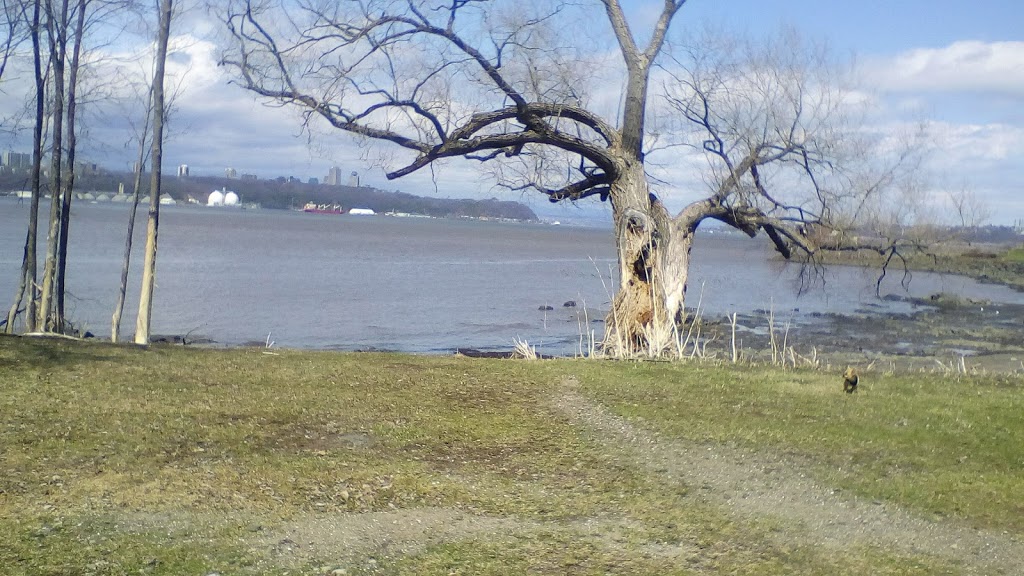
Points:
(943, 333)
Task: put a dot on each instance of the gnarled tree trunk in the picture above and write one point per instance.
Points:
(654, 259)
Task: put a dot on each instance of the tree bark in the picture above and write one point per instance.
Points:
(653, 253)
(654, 256)
(57, 30)
(115, 321)
(142, 324)
(68, 184)
(27, 286)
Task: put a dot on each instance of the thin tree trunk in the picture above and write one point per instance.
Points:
(68, 186)
(27, 287)
(57, 29)
(115, 322)
(142, 324)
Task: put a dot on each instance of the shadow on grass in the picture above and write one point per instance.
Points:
(31, 352)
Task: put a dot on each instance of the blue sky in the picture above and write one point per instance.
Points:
(873, 27)
(961, 64)
(876, 30)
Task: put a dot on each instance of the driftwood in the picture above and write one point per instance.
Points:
(53, 335)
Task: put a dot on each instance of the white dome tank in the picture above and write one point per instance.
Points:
(216, 198)
(231, 199)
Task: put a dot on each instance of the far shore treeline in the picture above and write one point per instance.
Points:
(282, 193)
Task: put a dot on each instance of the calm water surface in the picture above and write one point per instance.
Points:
(410, 284)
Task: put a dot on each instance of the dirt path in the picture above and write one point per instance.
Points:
(757, 485)
(361, 539)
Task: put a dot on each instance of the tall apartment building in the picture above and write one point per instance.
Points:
(183, 171)
(230, 173)
(333, 177)
(16, 160)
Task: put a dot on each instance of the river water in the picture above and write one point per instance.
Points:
(412, 284)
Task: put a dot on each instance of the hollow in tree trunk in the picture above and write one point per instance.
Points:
(654, 257)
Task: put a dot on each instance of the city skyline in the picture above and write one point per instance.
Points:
(23, 161)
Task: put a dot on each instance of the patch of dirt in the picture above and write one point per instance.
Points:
(346, 538)
(753, 485)
(362, 540)
(324, 438)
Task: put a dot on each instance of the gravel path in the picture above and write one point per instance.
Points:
(761, 485)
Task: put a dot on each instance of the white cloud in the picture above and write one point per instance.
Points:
(986, 158)
(978, 143)
(973, 90)
(964, 66)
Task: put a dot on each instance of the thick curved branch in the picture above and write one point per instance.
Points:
(541, 110)
(264, 70)
(490, 133)
(509, 143)
(788, 236)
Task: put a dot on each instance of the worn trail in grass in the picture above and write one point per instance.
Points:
(763, 487)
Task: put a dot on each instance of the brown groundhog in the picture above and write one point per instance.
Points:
(850, 380)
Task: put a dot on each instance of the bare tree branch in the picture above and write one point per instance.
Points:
(264, 68)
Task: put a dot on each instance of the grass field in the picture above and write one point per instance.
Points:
(173, 460)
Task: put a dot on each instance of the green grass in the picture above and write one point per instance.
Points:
(939, 445)
(1015, 255)
(121, 460)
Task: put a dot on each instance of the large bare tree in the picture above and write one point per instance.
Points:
(508, 84)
